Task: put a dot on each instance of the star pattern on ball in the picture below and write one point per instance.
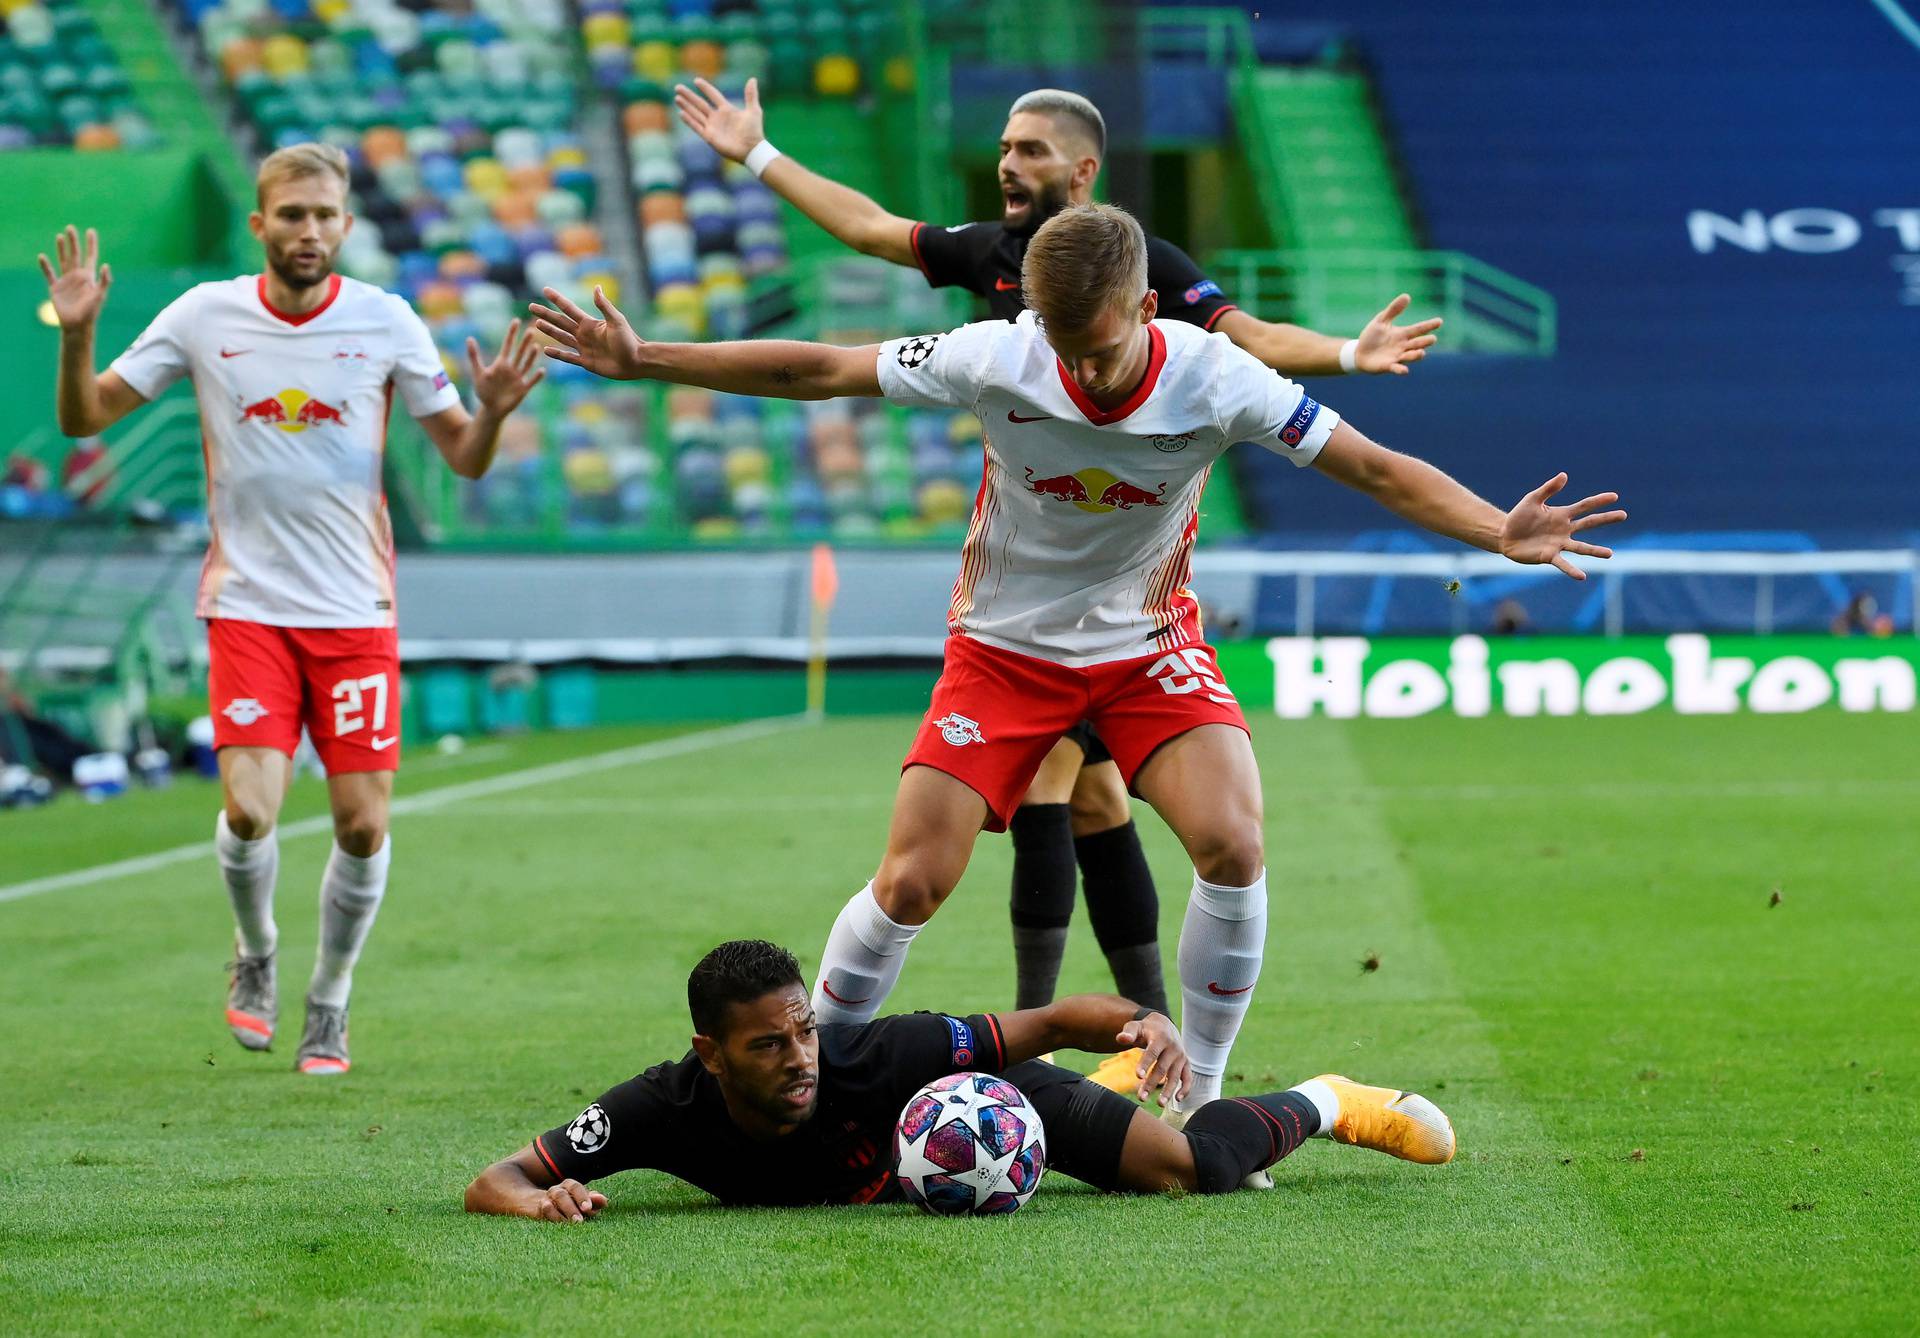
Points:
(969, 1144)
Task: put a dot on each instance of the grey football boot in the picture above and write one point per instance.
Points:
(323, 1047)
(253, 1002)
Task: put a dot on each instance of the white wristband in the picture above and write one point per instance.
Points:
(1349, 351)
(760, 156)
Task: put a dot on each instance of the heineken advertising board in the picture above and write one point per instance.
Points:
(1344, 677)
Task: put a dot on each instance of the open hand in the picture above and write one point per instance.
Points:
(79, 289)
(1164, 1067)
(500, 385)
(606, 347)
(568, 1201)
(1537, 533)
(1386, 347)
(731, 130)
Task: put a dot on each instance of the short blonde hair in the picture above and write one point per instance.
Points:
(297, 161)
(1082, 261)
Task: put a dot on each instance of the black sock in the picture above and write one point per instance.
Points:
(1232, 1139)
(1042, 905)
(1125, 911)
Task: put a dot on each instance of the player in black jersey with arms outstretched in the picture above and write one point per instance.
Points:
(768, 1109)
(1076, 813)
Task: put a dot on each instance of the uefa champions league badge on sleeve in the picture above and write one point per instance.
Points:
(589, 1130)
(916, 351)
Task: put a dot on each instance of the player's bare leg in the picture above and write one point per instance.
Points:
(1045, 877)
(1098, 800)
(1206, 785)
(1121, 901)
(350, 895)
(935, 820)
(1227, 1144)
(253, 783)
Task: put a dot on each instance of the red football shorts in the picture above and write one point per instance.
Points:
(342, 683)
(996, 713)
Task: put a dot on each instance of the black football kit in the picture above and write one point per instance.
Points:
(985, 258)
(673, 1118)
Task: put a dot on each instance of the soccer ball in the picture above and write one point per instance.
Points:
(969, 1143)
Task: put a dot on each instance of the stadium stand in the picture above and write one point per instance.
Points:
(1706, 202)
(60, 83)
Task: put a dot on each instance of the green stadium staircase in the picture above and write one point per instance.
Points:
(1330, 184)
(1341, 230)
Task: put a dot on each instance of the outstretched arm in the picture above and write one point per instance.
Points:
(468, 441)
(522, 1186)
(1533, 532)
(1102, 1024)
(851, 217)
(85, 403)
(1294, 350)
(773, 368)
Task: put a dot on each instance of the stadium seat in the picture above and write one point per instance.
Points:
(461, 124)
(60, 83)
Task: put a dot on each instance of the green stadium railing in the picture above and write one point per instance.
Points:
(1486, 309)
(136, 31)
(94, 639)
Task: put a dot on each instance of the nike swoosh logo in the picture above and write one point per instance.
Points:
(388, 742)
(234, 353)
(1002, 286)
(1213, 987)
(827, 990)
(1013, 417)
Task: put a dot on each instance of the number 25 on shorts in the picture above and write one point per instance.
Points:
(1182, 671)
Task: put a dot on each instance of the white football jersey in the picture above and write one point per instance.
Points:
(1082, 535)
(293, 425)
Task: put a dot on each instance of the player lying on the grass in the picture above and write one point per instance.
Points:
(1076, 813)
(771, 1108)
(1072, 601)
(295, 370)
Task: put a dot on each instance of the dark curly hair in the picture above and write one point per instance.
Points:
(738, 971)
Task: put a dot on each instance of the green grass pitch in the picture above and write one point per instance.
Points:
(1681, 1108)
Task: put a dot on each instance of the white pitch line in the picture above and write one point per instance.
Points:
(678, 746)
(673, 805)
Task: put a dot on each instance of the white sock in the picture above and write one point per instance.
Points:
(1206, 1087)
(862, 960)
(1221, 944)
(350, 893)
(249, 869)
(1324, 1101)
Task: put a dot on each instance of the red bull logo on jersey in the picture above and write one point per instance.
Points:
(292, 411)
(1095, 490)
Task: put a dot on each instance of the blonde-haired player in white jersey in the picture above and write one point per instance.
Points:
(1072, 600)
(295, 370)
